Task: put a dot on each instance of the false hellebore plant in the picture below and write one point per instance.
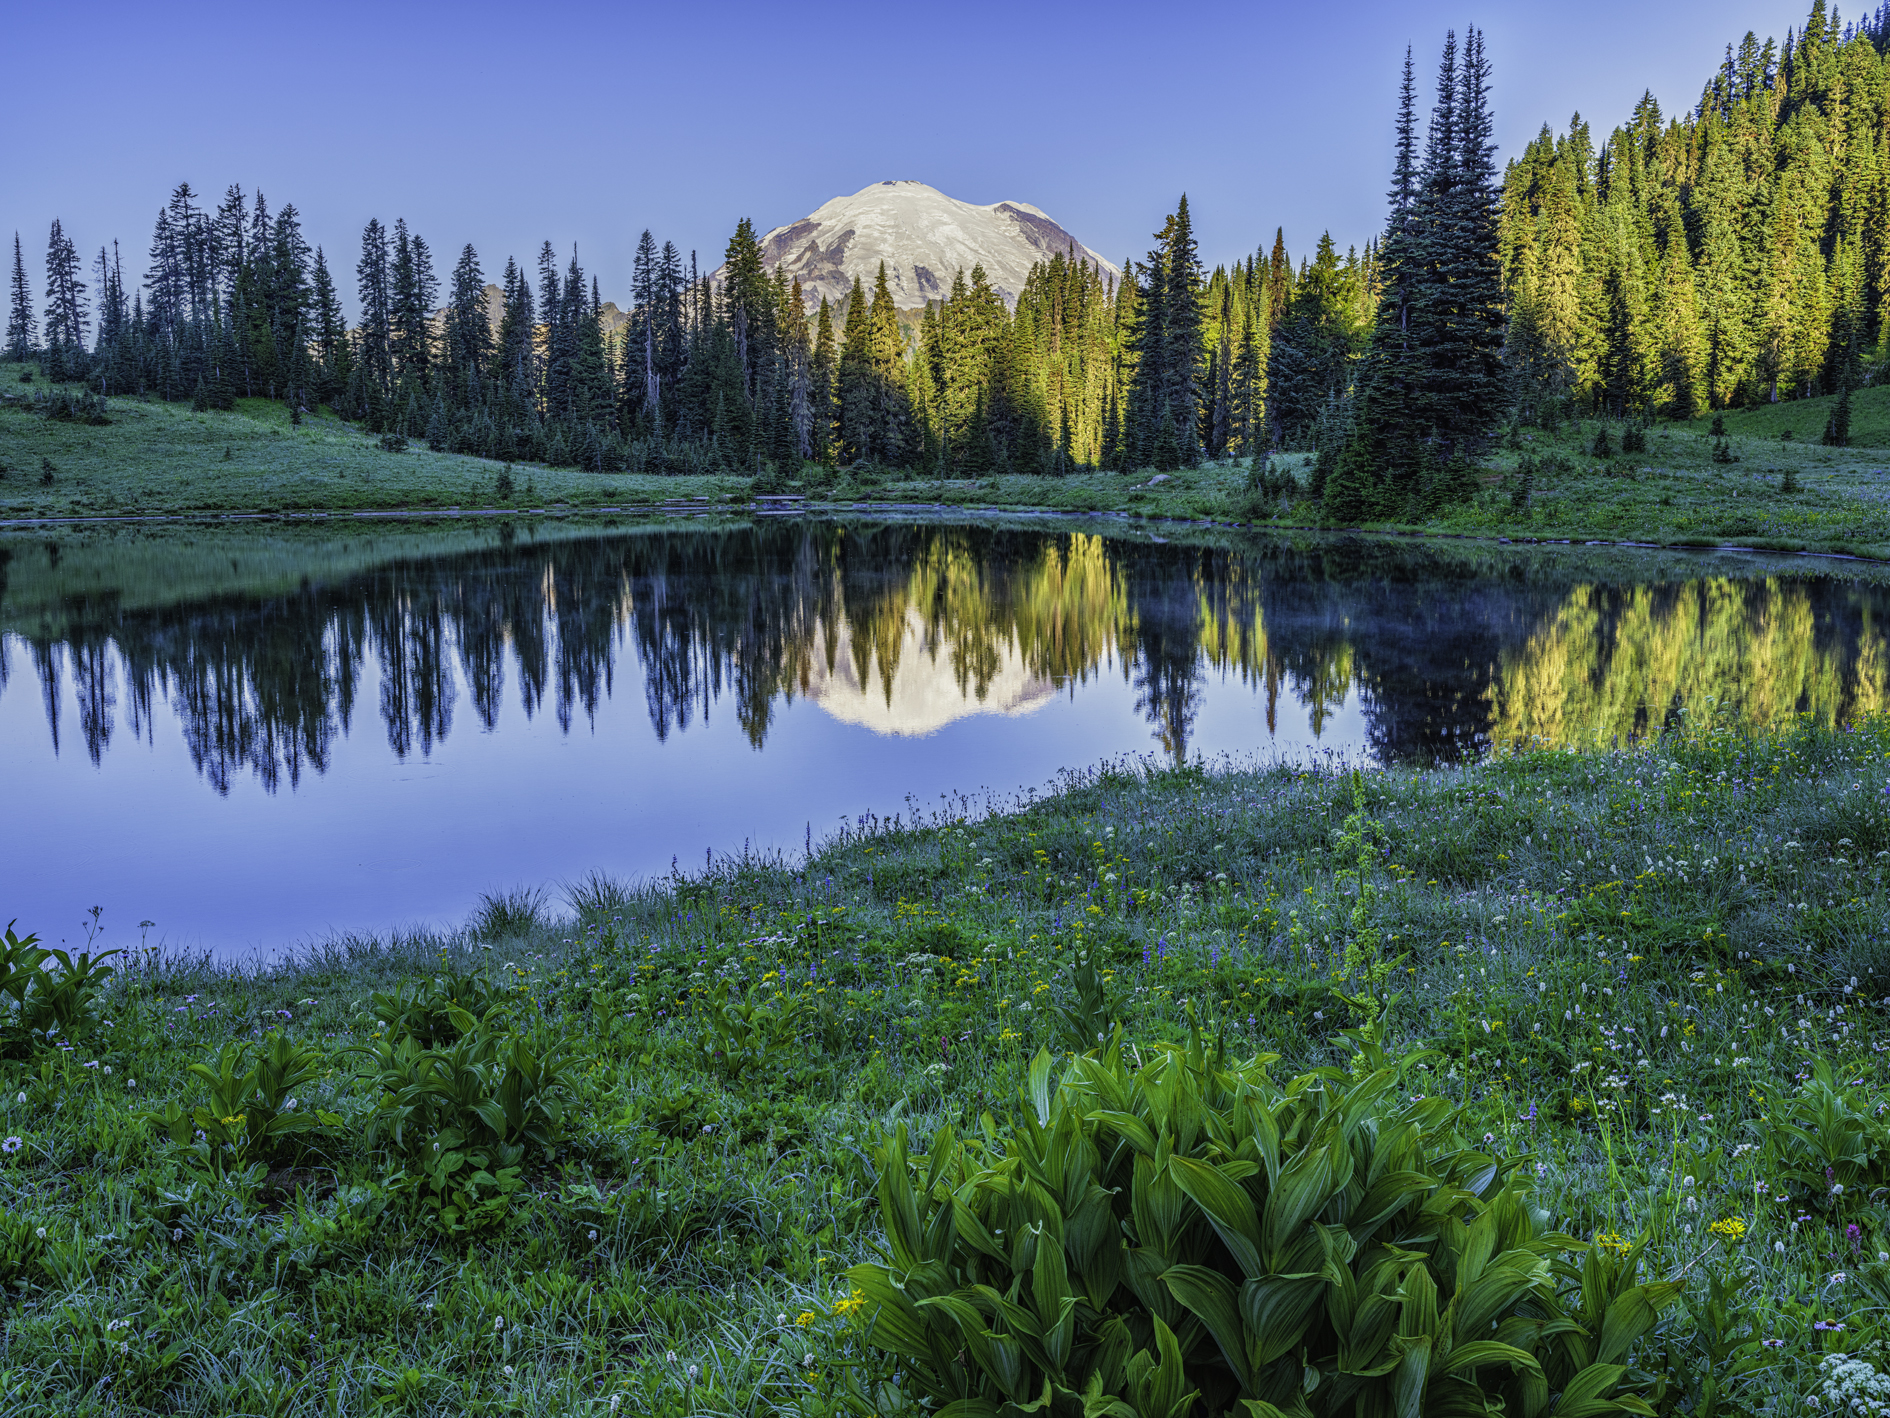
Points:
(1168, 1228)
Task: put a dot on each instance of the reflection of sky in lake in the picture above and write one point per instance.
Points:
(377, 841)
(351, 750)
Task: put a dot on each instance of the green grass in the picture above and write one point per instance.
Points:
(159, 458)
(1627, 963)
(1675, 494)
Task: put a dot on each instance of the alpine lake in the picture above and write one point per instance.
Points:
(238, 738)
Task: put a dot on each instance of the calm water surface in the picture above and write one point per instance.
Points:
(256, 736)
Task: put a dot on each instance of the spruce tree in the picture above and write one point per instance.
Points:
(65, 307)
(375, 345)
(333, 350)
(854, 383)
(821, 388)
(22, 330)
(886, 345)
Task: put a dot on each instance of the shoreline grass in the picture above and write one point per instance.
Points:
(1632, 966)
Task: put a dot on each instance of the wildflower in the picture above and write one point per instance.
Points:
(1779, 1247)
(11, 1145)
(805, 1318)
(780, 1319)
(22, 1097)
(694, 1371)
(1731, 1228)
(40, 1231)
(592, 1235)
(508, 1371)
(670, 1357)
(177, 1233)
(498, 1323)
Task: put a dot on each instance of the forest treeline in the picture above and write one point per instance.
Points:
(1733, 255)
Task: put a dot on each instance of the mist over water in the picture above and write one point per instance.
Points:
(253, 738)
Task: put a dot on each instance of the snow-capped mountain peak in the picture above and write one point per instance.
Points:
(924, 237)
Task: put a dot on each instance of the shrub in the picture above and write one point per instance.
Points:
(254, 1111)
(1145, 1239)
(1831, 1147)
(1634, 438)
(393, 443)
(45, 994)
(462, 1121)
(746, 1035)
(441, 1010)
(64, 406)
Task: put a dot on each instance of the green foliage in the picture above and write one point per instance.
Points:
(1139, 1236)
(509, 915)
(1090, 1017)
(463, 1119)
(46, 994)
(440, 1010)
(1832, 1146)
(745, 1036)
(64, 406)
(256, 1111)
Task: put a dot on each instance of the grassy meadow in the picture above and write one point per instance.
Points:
(1779, 493)
(623, 1150)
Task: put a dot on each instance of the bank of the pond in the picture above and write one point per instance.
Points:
(1767, 484)
(1631, 967)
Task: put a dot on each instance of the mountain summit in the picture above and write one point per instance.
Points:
(924, 237)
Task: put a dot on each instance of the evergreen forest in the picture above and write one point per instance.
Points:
(1730, 256)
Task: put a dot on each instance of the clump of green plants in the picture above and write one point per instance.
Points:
(441, 1010)
(509, 915)
(393, 443)
(461, 1121)
(745, 1034)
(65, 406)
(46, 995)
(257, 1111)
(1145, 1238)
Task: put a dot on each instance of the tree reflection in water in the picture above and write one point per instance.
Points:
(1443, 654)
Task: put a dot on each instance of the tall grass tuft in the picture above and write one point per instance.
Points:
(510, 915)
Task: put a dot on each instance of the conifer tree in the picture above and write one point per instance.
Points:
(854, 392)
(22, 330)
(891, 417)
(65, 307)
(333, 353)
(375, 363)
(466, 333)
(822, 387)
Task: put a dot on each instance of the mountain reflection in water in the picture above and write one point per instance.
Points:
(903, 629)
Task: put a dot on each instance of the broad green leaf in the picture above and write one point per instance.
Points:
(1276, 1311)
(1228, 1208)
(1209, 1297)
(1478, 1352)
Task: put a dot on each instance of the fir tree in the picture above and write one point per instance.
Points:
(22, 329)
(65, 307)
(375, 362)
(854, 394)
(822, 388)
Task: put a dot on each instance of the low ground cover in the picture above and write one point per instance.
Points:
(642, 1149)
(1753, 486)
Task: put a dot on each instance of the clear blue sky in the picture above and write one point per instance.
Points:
(505, 125)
